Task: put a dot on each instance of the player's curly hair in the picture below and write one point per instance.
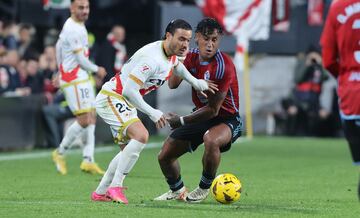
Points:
(207, 26)
(176, 24)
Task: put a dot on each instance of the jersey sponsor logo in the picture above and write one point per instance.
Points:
(349, 11)
(157, 82)
(354, 77)
(207, 75)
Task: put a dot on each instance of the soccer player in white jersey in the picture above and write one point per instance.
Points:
(72, 56)
(119, 99)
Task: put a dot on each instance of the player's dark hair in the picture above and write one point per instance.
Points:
(176, 24)
(207, 26)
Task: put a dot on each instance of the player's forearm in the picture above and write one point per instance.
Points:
(181, 71)
(85, 63)
(174, 81)
(132, 95)
(203, 114)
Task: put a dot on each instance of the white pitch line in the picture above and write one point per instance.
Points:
(43, 154)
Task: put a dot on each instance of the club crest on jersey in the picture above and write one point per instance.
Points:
(207, 75)
(144, 68)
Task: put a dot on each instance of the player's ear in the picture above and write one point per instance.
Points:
(168, 35)
(196, 38)
(72, 8)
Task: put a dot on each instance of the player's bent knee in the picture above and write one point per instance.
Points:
(141, 136)
(210, 143)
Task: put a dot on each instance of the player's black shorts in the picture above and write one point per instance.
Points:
(352, 134)
(195, 132)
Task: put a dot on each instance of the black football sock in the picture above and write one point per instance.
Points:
(175, 184)
(206, 180)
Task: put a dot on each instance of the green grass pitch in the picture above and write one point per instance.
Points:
(281, 177)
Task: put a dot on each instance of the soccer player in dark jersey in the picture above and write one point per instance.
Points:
(215, 122)
(340, 43)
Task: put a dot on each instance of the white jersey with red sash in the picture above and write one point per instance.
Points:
(74, 81)
(150, 68)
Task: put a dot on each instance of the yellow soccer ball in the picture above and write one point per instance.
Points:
(226, 188)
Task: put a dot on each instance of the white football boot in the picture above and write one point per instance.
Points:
(173, 195)
(197, 195)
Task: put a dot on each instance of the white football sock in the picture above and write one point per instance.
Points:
(71, 133)
(88, 149)
(127, 160)
(108, 176)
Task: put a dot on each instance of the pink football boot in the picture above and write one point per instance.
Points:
(96, 197)
(116, 194)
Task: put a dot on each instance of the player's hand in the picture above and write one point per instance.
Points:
(158, 118)
(213, 87)
(161, 122)
(101, 72)
(173, 120)
(206, 85)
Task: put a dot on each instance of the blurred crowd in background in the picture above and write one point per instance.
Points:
(28, 63)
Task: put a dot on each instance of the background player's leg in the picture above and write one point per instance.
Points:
(352, 134)
(75, 129)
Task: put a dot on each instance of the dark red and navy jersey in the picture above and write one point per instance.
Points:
(222, 71)
(340, 43)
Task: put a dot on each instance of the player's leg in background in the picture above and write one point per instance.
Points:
(88, 164)
(352, 134)
(170, 167)
(75, 129)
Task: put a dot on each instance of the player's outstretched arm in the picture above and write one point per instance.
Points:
(205, 113)
(198, 84)
(132, 94)
(174, 81)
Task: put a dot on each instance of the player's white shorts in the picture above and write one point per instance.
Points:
(117, 112)
(80, 95)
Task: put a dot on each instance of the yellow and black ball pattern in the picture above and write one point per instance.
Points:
(226, 188)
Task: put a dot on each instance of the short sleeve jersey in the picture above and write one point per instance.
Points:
(341, 40)
(222, 71)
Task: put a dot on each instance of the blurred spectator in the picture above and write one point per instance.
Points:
(7, 38)
(10, 83)
(58, 12)
(112, 52)
(34, 79)
(48, 69)
(25, 41)
(303, 111)
(51, 37)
